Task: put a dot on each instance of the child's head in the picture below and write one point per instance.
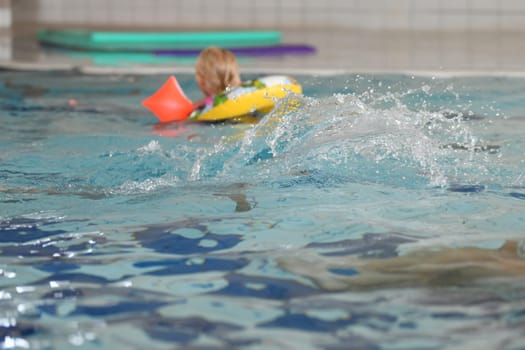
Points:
(216, 69)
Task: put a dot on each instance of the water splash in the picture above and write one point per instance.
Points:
(377, 139)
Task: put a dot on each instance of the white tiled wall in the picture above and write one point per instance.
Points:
(5, 13)
(5, 25)
(440, 15)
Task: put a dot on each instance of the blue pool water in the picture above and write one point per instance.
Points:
(377, 211)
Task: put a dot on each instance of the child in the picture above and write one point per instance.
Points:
(216, 70)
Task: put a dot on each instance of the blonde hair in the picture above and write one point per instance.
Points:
(217, 69)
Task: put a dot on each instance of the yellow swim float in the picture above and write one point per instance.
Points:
(253, 97)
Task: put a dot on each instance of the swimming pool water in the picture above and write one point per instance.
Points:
(376, 211)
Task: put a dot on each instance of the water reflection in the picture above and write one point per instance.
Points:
(428, 267)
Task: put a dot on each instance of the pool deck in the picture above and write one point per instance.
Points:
(338, 51)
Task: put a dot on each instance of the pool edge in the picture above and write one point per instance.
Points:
(148, 70)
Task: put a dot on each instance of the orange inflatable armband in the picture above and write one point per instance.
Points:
(169, 103)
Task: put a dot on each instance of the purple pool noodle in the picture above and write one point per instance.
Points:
(248, 51)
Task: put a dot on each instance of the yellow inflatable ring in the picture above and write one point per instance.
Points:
(253, 97)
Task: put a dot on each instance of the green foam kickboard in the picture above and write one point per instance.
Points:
(147, 41)
(121, 59)
(126, 58)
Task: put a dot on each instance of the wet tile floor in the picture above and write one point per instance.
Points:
(336, 51)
